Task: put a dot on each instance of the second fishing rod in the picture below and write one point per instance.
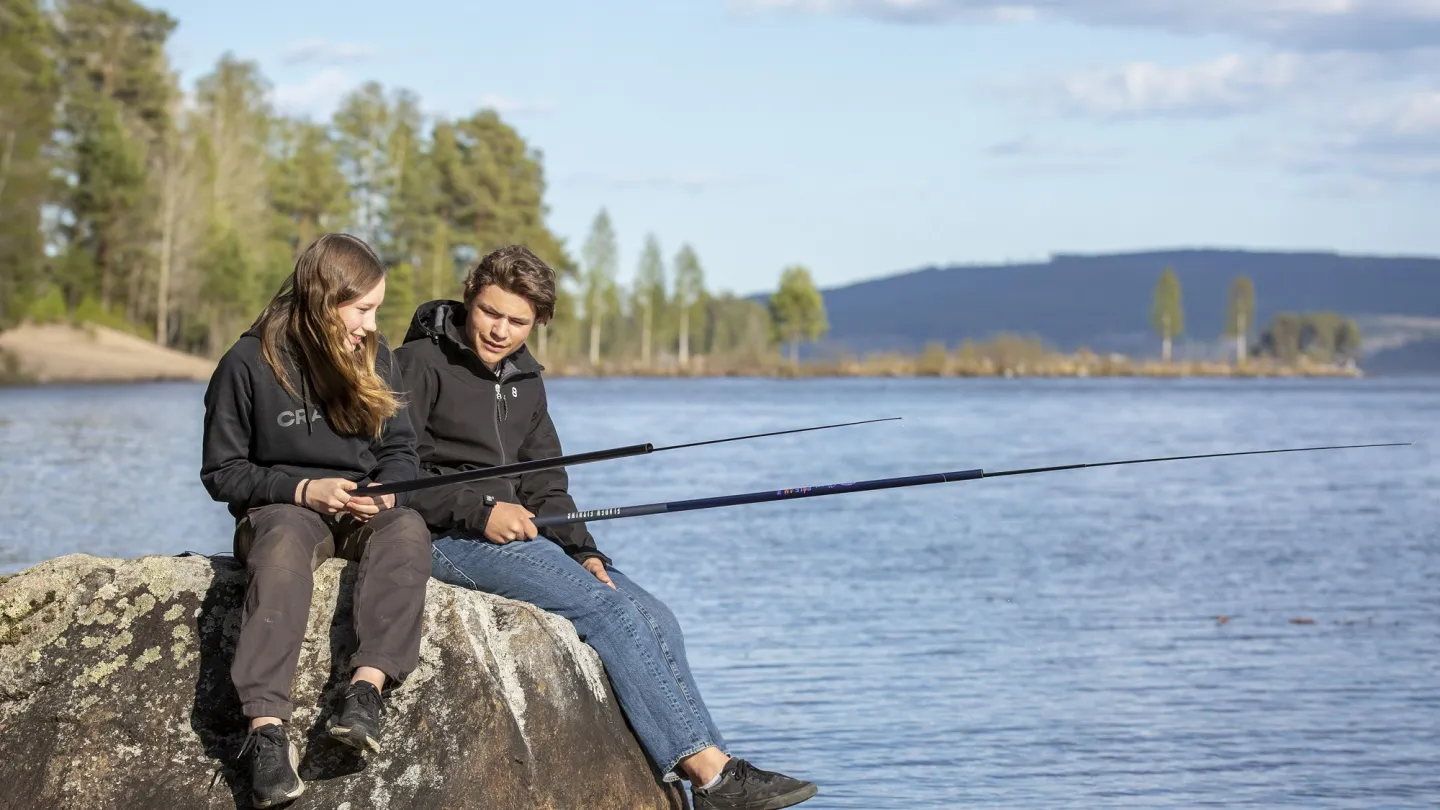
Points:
(574, 459)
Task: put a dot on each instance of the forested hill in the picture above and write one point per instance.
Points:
(1102, 302)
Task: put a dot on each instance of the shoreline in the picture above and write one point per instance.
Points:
(917, 368)
(61, 354)
(33, 356)
(9, 382)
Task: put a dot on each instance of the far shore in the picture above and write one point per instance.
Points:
(64, 354)
(903, 369)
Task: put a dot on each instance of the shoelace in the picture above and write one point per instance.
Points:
(370, 698)
(269, 732)
(743, 770)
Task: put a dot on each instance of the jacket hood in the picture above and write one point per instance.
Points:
(432, 318)
(443, 321)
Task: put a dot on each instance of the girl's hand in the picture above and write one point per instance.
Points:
(327, 495)
(364, 508)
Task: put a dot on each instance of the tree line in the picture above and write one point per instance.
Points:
(128, 202)
(1325, 337)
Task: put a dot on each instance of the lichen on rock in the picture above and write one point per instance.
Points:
(115, 693)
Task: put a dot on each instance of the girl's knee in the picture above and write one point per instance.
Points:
(282, 548)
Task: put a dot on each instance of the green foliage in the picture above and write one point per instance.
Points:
(28, 87)
(307, 189)
(399, 305)
(1324, 337)
(1167, 315)
(600, 255)
(91, 312)
(689, 278)
(734, 325)
(362, 131)
(1240, 313)
(48, 308)
(228, 284)
(689, 291)
(114, 110)
(650, 277)
(797, 310)
(649, 293)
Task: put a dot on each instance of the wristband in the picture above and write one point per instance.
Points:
(304, 488)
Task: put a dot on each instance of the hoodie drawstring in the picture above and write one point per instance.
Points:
(305, 399)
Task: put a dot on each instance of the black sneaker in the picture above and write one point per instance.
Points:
(742, 786)
(358, 722)
(273, 759)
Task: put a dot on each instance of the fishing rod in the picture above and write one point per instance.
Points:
(535, 465)
(881, 483)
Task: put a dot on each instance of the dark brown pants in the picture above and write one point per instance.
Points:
(281, 546)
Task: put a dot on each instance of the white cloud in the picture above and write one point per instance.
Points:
(1322, 24)
(1364, 149)
(510, 106)
(1415, 116)
(1395, 140)
(324, 51)
(1353, 81)
(1230, 84)
(317, 95)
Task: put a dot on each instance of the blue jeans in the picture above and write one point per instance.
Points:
(637, 637)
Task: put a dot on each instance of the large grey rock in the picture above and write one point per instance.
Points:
(115, 693)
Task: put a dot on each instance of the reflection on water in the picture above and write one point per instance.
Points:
(1113, 637)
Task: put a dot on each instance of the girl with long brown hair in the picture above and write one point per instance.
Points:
(300, 411)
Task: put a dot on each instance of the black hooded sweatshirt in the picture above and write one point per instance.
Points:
(259, 441)
(467, 417)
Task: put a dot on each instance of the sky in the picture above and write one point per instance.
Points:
(862, 138)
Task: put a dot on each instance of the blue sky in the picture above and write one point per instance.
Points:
(866, 137)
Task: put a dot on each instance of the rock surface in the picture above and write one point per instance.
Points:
(115, 693)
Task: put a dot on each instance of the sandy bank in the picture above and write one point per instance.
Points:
(92, 354)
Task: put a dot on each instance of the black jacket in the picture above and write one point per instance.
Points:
(467, 417)
(258, 442)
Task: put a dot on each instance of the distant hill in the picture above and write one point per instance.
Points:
(1102, 302)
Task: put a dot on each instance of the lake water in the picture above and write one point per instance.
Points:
(1044, 641)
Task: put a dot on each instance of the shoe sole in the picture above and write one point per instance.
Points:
(794, 797)
(292, 795)
(288, 797)
(360, 741)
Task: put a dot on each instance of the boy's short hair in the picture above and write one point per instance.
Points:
(516, 270)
